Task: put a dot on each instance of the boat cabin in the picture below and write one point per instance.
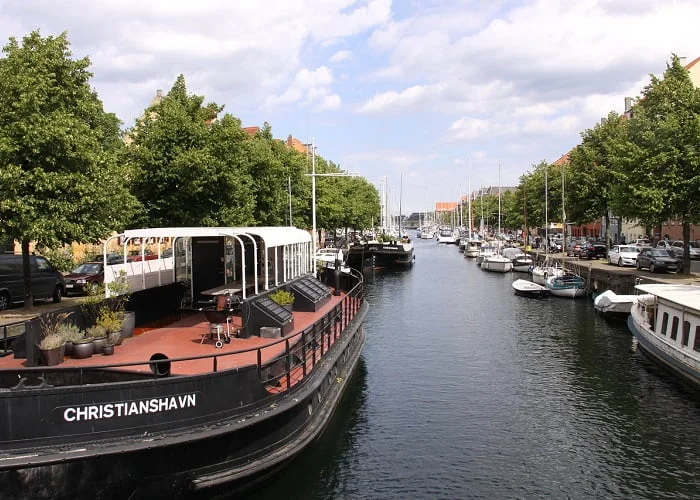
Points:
(672, 314)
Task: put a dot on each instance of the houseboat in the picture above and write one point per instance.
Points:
(399, 253)
(665, 320)
(219, 386)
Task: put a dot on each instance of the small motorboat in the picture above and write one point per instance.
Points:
(612, 305)
(527, 288)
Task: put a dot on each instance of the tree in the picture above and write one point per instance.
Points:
(189, 168)
(59, 178)
(594, 172)
(662, 160)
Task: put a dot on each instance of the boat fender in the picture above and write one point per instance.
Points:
(159, 365)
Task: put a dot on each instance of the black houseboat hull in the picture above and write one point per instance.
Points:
(198, 460)
(380, 255)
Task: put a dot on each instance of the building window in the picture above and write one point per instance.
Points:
(664, 324)
(674, 328)
(686, 333)
(696, 340)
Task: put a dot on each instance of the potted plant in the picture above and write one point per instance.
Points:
(119, 295)
(98, 334)
(283, 298)
(70, 332)
(84, 347)
(113, 339)
(52, 347)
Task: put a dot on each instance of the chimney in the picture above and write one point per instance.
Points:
(628, 104)
(603, 121)
(682, 60)
(159, 93)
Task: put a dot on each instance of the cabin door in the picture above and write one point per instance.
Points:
(207, 264)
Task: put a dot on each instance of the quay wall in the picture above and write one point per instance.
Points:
(601, 276)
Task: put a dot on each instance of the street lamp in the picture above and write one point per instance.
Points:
(313, 175)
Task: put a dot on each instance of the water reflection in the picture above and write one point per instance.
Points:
(469, 391)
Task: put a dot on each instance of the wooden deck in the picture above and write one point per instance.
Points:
(183, 338)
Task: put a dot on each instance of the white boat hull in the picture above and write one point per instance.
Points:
(497, 264)
(651, 321)
(540, 274)
(566, 285)
(529, 289)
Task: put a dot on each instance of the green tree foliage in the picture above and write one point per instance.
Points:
(59, 178)
(189, 168)
(662, 163)
(594, 172)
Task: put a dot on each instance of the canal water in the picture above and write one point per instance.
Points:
(468, 391)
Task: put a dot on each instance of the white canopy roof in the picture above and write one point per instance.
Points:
(684, 295)
(272, 236)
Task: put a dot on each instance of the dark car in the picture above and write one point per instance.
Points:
(46, 281)
(588, 250)
(658, 259)
(85, 278)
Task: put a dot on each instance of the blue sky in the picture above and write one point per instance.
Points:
(435, 92)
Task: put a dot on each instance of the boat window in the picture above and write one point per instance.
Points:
(674, 328)
(696, 340)
(664, 324)
(686, 333)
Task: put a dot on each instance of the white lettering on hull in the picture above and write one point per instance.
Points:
(129, 408)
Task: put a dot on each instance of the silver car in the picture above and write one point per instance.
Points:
(677, 248)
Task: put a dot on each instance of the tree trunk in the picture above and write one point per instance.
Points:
(27, 278)
(686, 247)
(607, 231)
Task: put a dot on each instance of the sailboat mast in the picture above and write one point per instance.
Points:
(499, 201)
(400, 198)
(469, 201)
(546, 213)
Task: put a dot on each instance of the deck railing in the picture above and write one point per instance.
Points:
(299, 355)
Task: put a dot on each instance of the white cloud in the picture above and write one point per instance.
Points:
(341, 55)
(310, 87)
(408, 98)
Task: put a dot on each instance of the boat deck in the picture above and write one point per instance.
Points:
(183, 338)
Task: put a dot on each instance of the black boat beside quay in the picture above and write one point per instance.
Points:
(219, 387)
(394, 254)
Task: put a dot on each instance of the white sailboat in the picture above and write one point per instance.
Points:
(497, 262)
(541, 272)
(472, 245)
(569, 284)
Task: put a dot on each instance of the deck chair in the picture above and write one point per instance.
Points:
(218, 315)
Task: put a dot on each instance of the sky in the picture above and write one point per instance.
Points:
(433, 96)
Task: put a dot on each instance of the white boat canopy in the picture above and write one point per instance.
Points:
(251, 257)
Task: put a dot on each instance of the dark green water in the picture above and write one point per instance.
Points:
(468, 391)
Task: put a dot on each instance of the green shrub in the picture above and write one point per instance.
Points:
(96, 332)
(282, 297)
(69, 331)
(61, 257)
(109, 320)
(51, 341)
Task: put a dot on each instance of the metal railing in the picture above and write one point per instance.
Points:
(300, 352)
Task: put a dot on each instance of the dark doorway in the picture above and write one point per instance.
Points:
(207, 264)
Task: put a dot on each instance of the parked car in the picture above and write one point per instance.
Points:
(85, 278)
(624, 255)
(658, 259)
(46, 281)
(665, 244)
(641, 242)
(135, 255)
(677, 247)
